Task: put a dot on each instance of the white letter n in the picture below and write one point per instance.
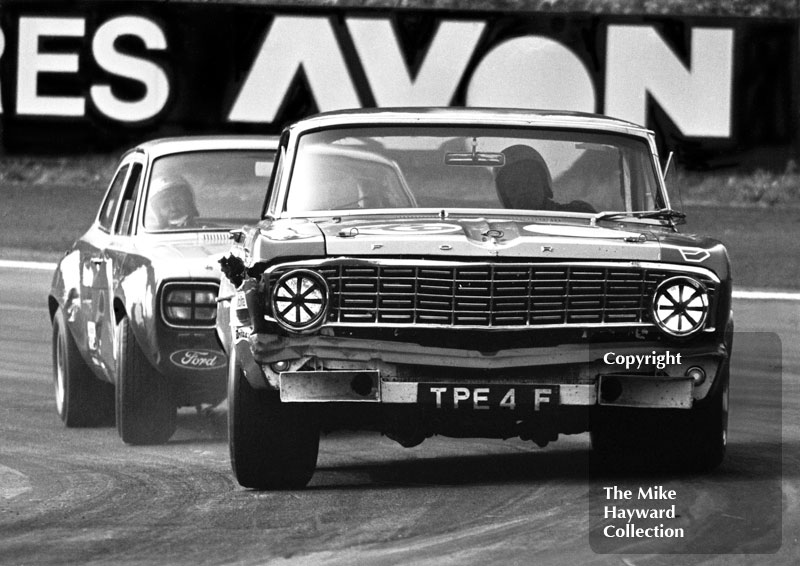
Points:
(698, 100)
(294, 43)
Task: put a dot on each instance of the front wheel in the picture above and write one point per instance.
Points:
(82, 400)
(273, 445)
(665, 439)
(145, 400)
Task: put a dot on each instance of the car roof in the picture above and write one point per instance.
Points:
(472, 115)
(164, 146)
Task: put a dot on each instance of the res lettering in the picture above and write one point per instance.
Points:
(34, 60)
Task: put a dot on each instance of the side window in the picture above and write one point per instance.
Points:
(110, 205)
(125, 216)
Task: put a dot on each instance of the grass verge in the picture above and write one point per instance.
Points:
(763, 243)
(758, 188)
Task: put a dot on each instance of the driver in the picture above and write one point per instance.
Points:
(525, 182)
(172, 205)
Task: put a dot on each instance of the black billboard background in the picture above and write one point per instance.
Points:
(211, 48)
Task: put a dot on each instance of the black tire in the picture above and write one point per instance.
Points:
(82, 399)
(273, 445)
(691, 440)
(145, 402)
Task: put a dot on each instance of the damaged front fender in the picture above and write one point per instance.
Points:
(252, 371)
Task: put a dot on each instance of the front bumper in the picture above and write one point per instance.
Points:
(367, 386)
(325, 369)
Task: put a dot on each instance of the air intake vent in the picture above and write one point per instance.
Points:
(214, 237)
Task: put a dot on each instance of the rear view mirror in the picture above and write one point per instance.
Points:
(475, 157)
(480, 158)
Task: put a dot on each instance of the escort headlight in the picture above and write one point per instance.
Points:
(680, 306)
(300, 300)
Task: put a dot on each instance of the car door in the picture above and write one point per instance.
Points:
(94, 274)
(117, 247)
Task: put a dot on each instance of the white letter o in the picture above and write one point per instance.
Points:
(532, 72)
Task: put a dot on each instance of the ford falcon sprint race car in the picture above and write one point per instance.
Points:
(133, 302)
(473, 273)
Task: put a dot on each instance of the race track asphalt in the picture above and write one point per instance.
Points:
(70, 496)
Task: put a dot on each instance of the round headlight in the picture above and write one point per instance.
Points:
(680, 306)
(300, 299)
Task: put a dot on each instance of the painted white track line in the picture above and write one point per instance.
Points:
(38, 265)
(753, 294)
(762, 295)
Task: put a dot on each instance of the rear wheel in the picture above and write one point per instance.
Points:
(273, 445)
(665, 439)
(82, 399)
(145, 400)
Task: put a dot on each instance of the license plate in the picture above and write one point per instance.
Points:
(484, 397)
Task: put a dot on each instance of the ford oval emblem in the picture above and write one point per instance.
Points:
(197, 358)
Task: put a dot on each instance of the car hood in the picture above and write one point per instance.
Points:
(194, 256)
(488, 236)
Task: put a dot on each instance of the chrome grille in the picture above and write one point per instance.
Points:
(490, 295)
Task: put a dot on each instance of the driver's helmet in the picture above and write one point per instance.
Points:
(171, 204)
(524, 181)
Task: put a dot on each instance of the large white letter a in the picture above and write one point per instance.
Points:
(292, 43)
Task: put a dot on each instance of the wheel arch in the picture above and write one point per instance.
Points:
(65, 286)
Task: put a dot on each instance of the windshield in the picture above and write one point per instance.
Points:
(470, 167)
(207, 190)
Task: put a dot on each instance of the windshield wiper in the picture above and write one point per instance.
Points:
(660, 214)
